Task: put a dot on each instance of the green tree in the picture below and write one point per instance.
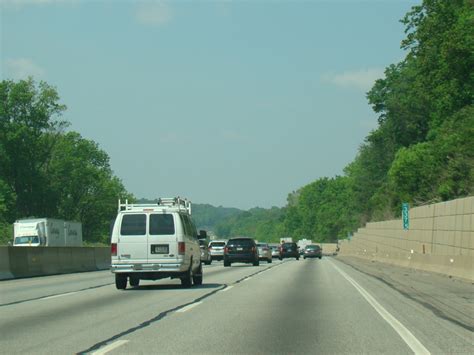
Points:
(30, 123)
(84, 185)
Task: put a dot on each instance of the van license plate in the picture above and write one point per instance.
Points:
(160, 249)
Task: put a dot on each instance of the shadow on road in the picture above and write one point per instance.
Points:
(204, 286)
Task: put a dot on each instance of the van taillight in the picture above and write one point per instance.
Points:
(226, 250)
(113, 249)
(181, 248)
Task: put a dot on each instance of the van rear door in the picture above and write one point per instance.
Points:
(162, 238)
(132, 243)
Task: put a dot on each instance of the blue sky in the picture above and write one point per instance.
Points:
(233, 103)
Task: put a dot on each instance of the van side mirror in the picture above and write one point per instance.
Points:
(202, 234)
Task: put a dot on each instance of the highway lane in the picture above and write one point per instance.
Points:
(68, 322)
(304, 306)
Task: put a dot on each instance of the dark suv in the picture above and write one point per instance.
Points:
(289, 250)
(243, 250)
(313, 251)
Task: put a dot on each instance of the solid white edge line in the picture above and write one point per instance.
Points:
(188, 307)
(415, 345)
(61, 295)
(110, 347)
(227, 288)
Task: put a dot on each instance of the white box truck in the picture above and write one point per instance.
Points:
(46, 232)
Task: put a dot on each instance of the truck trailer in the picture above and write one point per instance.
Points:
(47, 232)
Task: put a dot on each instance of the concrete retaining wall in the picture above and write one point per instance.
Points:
(329, 248)
(440, 238)
(18, 262)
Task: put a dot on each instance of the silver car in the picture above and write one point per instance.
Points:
(205, 255)
(216, 249)
(264, 252)
(275, 250)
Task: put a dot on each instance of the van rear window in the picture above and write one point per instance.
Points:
(133, 224)
(161, 224)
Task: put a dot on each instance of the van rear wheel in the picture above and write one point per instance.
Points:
(120, 281)
(187, 280)
(197, 278)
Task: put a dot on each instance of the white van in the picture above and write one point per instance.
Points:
(155, 241)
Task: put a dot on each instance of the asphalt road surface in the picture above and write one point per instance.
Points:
(306, 306)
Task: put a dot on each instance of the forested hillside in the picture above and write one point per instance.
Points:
(259, 223)
(205, 216)
(423, 148)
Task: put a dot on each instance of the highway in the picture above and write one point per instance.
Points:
(306, 306)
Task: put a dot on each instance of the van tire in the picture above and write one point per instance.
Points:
(187, 280)
(134, 281)
(197, 278)
(120, 281)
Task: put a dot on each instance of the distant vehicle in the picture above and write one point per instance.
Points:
(205, 255)
(313, 251)
(46, 232)
(264, 252)
(156, 241)
(275, 251)
(286, 240)
(216, 249)
(289, 250)
(241, 249)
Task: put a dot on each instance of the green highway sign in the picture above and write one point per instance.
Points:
(405, 216)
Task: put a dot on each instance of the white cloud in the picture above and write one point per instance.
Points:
(21, 68)
(155, 13)
(359, 79)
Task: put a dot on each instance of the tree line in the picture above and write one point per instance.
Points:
(422, 150)
(48, 172)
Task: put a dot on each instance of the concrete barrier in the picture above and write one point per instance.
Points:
(19, 261)
(5, 272)
(16, 262)
(102, 258)
(329, 248)
(440, 239)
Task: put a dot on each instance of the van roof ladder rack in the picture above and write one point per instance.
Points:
(174, 203)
